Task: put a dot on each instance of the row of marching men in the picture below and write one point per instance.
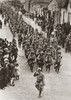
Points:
(40, 51)
(44, 50)
(16, 25)
(9, 68)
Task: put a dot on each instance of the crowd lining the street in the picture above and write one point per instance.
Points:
(8, 63)
(9, 68)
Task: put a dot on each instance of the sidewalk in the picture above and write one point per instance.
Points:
(5, 31)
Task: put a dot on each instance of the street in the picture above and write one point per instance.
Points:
(57, 86)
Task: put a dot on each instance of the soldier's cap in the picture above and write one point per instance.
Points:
(51, 46)
(32, 51)
(6, 56)
(59, 52)
(6, 60)
(41, 52)
(49, 53)
(12, 64)
(39, 69)
(59, 47)
(6, 49)
(14, 44)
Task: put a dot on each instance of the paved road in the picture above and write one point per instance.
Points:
(5, 31)
(58, 86)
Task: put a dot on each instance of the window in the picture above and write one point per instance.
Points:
(63, 16)
(69, 17)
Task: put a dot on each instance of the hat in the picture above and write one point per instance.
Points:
(41, 52)
(12, 65)
(49, 53)
(39, 69)
(6, 49)
(6, 60)
(58, 52)
(58, 47)
(52, 33)
(32, 51)
(6, 56)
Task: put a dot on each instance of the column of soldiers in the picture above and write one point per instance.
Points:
(16, 24)
(44, 52)
(39, 51)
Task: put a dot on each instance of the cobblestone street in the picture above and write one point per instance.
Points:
(57, 86)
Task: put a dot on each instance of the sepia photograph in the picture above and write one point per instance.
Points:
(35, 49)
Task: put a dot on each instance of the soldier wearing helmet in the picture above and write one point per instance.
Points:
(39, 84)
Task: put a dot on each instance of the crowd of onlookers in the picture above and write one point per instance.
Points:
(64, 36)
(9, 68)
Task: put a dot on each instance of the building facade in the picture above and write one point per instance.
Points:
(27, 5)
(40, 7)
(66, 13)
(59, 10)
(54, 9)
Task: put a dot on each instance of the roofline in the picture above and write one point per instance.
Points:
(41, 2)
(64, 5)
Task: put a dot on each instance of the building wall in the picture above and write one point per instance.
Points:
(69, 13)
(63, 16)
(26, 5)
(66, 14)
(55, 11)
(57, 17)
(35, 8)
(38, 7)
(53, 6)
